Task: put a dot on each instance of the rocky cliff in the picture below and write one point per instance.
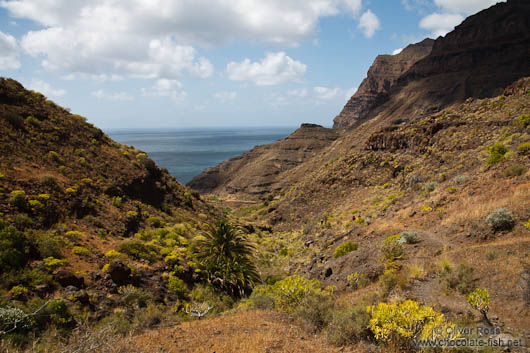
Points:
(381, 76)
(479, 58)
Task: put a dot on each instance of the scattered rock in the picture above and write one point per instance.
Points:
(66, 278)
(119, 273)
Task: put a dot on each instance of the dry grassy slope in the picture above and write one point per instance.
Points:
(83, 171)
(381, 170)
(249, 332)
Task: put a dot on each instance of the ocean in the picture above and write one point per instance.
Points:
(187, 152)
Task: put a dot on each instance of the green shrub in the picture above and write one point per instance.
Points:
(48, 245)
(133, 297)
(388, 280)
(59, 313)
(137, 249)
(117, 201)
(348, 325)
(176, 285)
(479, 299)
(18, 199)
(49, 181)
(53, 263)
(73, 235)
(12, 247)
(397, 325)
(358, 280)
(515, 170)
(18, 291)
(22, 221)
(410, 238)
(524, 147)
(491, 255)
(525, 119)
(430, 186)
(345, 248)
(289, 292)
(32, 121)
(460, 179)
(227, 256)
(315, 310)
(9, 315)
(501, 219)
(35, 204)
(154, 222)
(54, 156)
(80, 250)
(392, 249)
(460, 278)
(497, 153)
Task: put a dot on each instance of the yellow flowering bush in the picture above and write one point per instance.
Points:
(398, 324)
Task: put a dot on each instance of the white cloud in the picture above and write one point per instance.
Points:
(451, 13)
(440, 23)
(397, 51)
(98, 78)
(274, 69)
(353, 6)
(104, 37)
(8, 52)
(45, 88)
(369, 23)
(116, 96)
(166, 88)
(302, 92)
(224, 97)
(325, 93)
(466, 7)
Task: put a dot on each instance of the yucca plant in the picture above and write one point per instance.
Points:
(227, 257)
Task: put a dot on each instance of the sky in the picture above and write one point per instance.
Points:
(210, 63)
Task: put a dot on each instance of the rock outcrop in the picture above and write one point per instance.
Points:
(382, 75)
(252, 175)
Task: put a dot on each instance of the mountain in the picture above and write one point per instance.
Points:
(478, 59)
(381, 76)
(255, 174)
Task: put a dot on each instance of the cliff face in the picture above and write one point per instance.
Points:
(381, 76)
(255, 173)
(479, 58)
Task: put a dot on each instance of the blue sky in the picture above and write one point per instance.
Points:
(198, 63)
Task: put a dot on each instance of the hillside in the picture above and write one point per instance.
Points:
(256, 173)
(84, 218)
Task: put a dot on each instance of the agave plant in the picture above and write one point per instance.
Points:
(227, 257)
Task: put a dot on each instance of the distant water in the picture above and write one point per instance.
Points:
(187, 152)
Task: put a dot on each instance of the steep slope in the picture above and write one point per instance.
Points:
(381, 77)
(81, 215)
(255, 174)
(478, 59)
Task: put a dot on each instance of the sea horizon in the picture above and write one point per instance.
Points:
(186, 152)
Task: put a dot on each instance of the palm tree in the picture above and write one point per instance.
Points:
(227, 256)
